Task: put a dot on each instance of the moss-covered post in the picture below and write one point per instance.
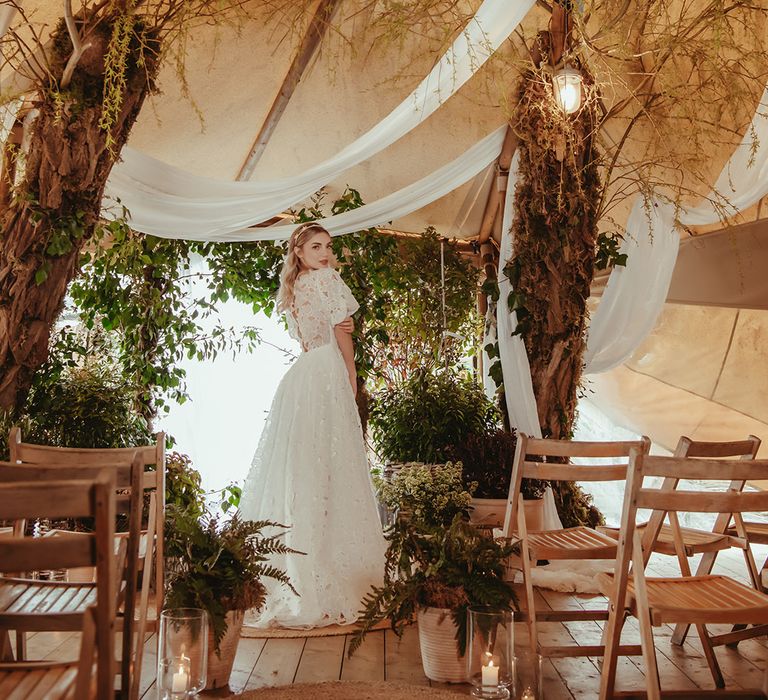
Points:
(555, 228)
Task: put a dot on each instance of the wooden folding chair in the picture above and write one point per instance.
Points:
(699, 600)
(22, 600)
(151, 557)
(66, 499)
(706, 542)
(543, 459)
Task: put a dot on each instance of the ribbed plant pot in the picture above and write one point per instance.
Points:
(220, 665)
(533, 510)
(437, 640)
(488, 512)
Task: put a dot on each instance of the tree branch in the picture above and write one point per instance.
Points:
(77, 46)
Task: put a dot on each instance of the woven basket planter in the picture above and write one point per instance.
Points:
(437, 640)
(220, 665)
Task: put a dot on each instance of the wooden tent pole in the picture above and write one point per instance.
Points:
(496, 196)
(314, 35)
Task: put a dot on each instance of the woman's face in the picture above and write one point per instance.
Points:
(316, 252)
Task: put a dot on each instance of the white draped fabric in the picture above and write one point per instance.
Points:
(521, 402)
(744, 179)
(166, 201)
(635, 294)
(400, 203)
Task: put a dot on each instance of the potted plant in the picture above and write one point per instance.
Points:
(487, 462)
(218, 565)
(437, 565)
(432, 494)
(432, 575)
(416, 420)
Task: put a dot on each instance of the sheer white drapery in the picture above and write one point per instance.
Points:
(400, 203)
(635, 294)
(166, 201)
(520, 400)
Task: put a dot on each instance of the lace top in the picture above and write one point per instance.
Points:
(321, 300)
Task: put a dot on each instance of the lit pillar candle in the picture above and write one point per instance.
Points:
(180, 681)
(490, 675)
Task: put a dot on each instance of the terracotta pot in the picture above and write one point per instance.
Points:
(220, 665)
(534, 514)
(488, 512)
(437, 640)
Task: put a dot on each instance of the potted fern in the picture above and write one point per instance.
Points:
(218, 565)
(437, 565)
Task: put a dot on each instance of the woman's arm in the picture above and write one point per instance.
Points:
(344, 339)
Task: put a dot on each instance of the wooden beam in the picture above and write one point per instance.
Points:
(314, 35)
(557, 32)
(496, 196)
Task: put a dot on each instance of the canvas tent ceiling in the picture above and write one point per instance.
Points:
(233, 77)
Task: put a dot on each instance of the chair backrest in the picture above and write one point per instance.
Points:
(153, 479)
(660, 499)
(742, 449)
(94, 498)
(698, 449)
(150, 455)
(545, 459)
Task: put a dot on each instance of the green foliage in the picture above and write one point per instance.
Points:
(183, 485)
(427, 494)
(83, 404)
(142, 290)
(608, 254)
(417, 419)
(218, 566)
(454, 567)
(487, 460)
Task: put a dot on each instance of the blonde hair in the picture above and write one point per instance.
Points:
(292, 264)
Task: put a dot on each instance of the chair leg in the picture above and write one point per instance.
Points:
(611, 641)
(21, 645)
(533, 636)
(709, 655)
(146, 580)
(6, 650)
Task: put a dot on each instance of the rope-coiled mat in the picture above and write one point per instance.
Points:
(354, 690)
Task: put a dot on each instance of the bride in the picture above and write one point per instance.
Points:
(310, 470)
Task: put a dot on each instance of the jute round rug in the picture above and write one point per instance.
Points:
(353, 690)
(288, 633)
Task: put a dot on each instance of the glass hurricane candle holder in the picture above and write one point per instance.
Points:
(491, 652)
(182, 653)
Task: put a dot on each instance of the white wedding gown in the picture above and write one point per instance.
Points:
(311, 472)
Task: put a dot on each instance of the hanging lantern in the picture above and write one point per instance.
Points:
(566, 83)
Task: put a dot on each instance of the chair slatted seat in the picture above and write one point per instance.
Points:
(94, 497)
(50, 681)
(699, 600)
(544, 459)
(572, 543)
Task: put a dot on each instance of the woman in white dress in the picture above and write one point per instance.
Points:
(311, 469)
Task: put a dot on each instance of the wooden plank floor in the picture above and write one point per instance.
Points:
(263, 663)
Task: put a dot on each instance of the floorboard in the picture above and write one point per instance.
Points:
(384, 656)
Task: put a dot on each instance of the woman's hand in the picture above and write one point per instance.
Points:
(347, 325)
